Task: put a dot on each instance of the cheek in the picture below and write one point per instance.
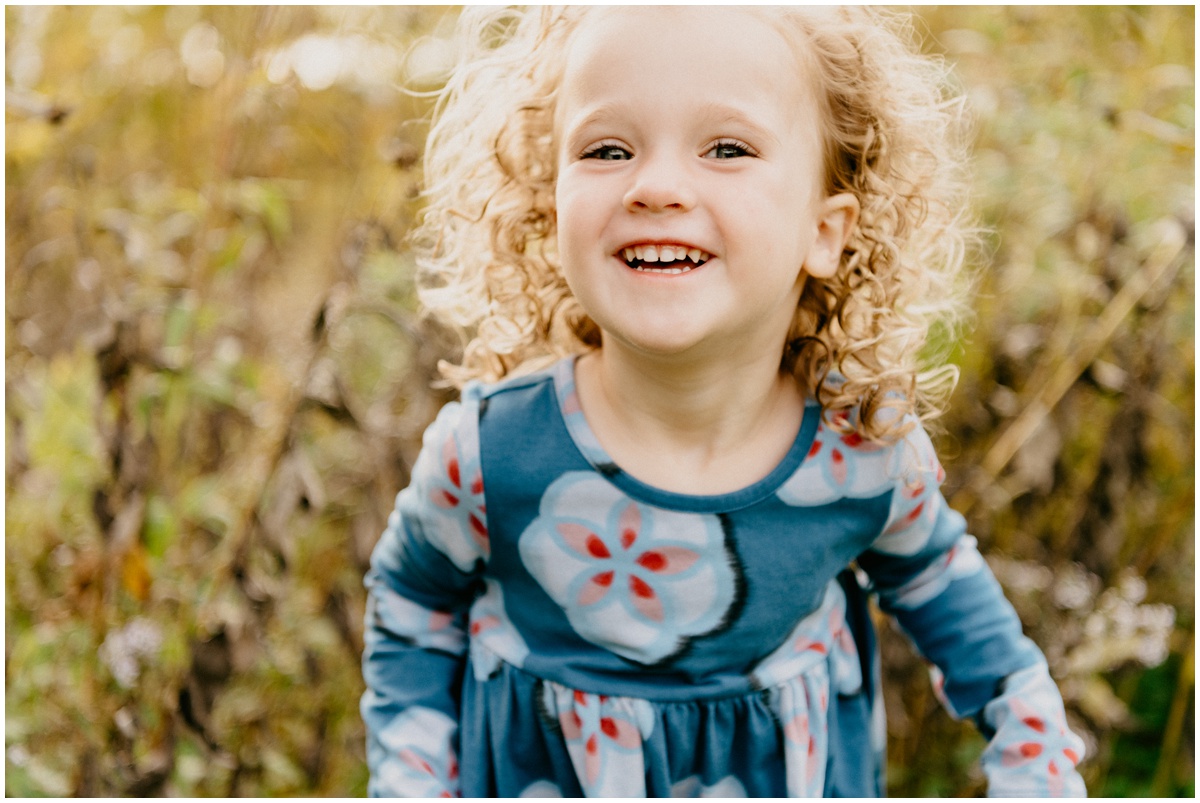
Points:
(575, 212)
(568, 235)
(564, 200)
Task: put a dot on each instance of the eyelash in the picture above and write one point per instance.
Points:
(735, 144)
(596, 151)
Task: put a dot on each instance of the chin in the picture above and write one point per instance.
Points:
(658, 344)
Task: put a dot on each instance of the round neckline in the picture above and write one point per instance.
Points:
(585, 441)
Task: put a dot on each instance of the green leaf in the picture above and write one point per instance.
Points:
(161, 527)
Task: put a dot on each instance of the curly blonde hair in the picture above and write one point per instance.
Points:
(894, 137)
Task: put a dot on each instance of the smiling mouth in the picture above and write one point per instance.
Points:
(664, 258)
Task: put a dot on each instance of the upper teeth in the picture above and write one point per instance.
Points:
(664, 253)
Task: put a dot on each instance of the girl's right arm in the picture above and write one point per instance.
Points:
(424, 574)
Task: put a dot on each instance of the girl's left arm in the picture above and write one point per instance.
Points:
(930, 576)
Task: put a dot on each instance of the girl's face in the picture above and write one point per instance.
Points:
(689, 195)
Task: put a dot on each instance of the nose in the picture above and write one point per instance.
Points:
(660, 184)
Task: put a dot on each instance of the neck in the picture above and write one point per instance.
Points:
(675, 417)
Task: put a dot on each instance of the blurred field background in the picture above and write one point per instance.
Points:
(216, 381)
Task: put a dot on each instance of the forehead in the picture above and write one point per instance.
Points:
(714, 30)
(695, 49)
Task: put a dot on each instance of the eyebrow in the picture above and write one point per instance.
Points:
(597, 115)
(722, 113)
(716, 113)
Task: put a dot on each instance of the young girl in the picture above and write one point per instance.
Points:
(698, 251)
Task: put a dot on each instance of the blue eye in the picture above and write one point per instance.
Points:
(607, 152)
(730, 149)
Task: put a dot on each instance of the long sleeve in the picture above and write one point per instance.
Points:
(424, 574)
(930, 576)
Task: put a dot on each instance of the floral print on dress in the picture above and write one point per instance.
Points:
(423, 627)
(802, 707)
(847, 466)
(635, 579)
(493, 635)
(962, 560)
(572, 413)
(1033, 753)
(604, 737)
(789, 722)
(817, 660)
(821, 637)
(449, 477)
(838, 466)
(917, 500)
(420, 756)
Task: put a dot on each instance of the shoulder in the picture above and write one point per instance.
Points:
(456, 426)
(517, 401)
(460, 419)
(513, 388)
(917, 504)
(452, 442)
(444, 501)
(842, 464)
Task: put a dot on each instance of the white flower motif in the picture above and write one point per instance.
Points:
(840, 466)
(448, 482)
(421, 760)
(635, 579)
(820, 638)
(604, 737)
(494, 637)
(428, 629)
(1033, 753)
(848, 467)
(802, 705)
(963, 560)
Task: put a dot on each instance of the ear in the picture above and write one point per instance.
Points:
(836, 218)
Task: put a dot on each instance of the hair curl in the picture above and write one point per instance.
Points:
(894, 137)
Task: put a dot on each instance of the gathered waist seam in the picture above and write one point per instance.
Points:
(821, 638)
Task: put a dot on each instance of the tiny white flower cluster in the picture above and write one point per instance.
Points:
(1074, 588)
(1120, 618)
(124, 649)
(18, 755)
(1021, 577)
(1098, 630)
(1117, 627)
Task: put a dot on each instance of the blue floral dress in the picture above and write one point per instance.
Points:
(541, 623)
